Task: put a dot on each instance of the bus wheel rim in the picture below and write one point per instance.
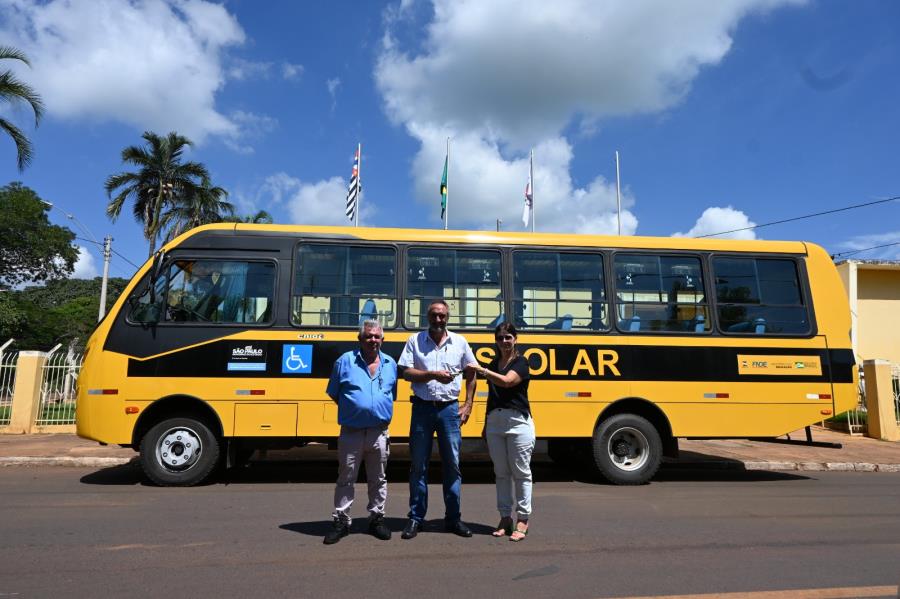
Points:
(628, 449)
(178, 449)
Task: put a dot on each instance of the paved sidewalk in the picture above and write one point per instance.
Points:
(856, 454)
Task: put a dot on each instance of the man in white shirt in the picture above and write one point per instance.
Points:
(434, 361)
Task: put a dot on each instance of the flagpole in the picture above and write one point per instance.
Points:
(358, 181)
(618, 196)
(531, 173)
(447, 207)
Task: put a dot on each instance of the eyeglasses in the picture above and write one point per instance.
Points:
(504, 337)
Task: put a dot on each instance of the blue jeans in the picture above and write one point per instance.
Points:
(426, 420)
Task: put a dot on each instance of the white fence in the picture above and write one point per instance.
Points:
(895, 375)
(58, 389)
(8, 362)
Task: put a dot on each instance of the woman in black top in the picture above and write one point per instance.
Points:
(510, 432)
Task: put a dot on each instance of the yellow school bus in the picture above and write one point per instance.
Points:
(224, 340)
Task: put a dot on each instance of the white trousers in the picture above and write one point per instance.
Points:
(510, 439)
(356, 445)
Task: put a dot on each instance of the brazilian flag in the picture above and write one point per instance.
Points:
(444, 189)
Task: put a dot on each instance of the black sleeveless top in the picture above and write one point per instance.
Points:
(513, 398)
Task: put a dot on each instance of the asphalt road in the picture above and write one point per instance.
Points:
(88, 533)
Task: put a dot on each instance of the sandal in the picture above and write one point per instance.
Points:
(519, 533)
(504, 529)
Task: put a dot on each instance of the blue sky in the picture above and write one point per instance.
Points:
(725, 114)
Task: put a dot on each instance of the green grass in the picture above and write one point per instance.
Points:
(58, 412)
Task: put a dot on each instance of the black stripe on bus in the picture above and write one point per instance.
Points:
(633, 363)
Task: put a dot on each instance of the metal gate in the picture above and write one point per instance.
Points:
(8, 361)
(58, 389)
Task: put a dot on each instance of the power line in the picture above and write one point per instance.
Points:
(874, 247)
(112, 250)
(787, 220)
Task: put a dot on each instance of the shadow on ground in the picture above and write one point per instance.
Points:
(360, 526)
(699, 468)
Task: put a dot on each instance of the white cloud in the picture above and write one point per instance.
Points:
(485, 186)
(241, 69)
(864, 242)
(152, 64)
(500, 77)
(717, 220)
(333, 85)
(291, 71)
(318, 203)
(251, 126)
(85, 266)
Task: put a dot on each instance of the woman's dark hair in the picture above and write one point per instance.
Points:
(506, 328)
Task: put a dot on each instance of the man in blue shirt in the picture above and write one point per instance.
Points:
(363, 383)
(434, 361)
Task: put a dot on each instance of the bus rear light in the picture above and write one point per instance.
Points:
(250, 392)
(132, 410)
(578, 394)
(716, 396)
(818, 396)
(103, 391)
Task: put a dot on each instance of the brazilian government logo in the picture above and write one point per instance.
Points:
(296, 359)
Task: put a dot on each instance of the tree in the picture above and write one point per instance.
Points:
(260, 218)
(13, 91)
(161, 181)
(31, 249)
(204, 205)
(39, 317)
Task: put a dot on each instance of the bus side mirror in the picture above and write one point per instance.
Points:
(155, 271)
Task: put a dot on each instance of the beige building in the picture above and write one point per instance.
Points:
(873, 287)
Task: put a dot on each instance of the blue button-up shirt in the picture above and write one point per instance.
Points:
(422, 353)
(363, 400)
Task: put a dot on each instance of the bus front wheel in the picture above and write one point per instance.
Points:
(627, 449)
(179, 452)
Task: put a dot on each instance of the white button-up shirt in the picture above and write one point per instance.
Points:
(453, 355)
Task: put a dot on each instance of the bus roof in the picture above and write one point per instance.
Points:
(509, 238)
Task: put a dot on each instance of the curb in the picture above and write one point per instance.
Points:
(787, 466)
(64, 461)
(98, 462)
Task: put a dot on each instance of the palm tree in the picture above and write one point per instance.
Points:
(205, 204)
(14, 91)
(161, 181)
(260, 218)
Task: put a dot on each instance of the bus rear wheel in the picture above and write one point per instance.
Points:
(179, 452)
(627, 449)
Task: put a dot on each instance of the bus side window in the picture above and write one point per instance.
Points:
(559, 291)
(660, 293)
(339, 285)
(468, 280)
(759, 296)
(220, 291)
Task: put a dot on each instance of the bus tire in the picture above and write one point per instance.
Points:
(179, 452)
(627, 449)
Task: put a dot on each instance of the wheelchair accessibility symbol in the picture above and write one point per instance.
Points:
(296, 359)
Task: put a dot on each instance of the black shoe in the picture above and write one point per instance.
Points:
(378, 529)
(339, 531)
(411, 529)
(458, 528)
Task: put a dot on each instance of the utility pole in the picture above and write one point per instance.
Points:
(618, 196)
(499, 222)
(107, 253)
